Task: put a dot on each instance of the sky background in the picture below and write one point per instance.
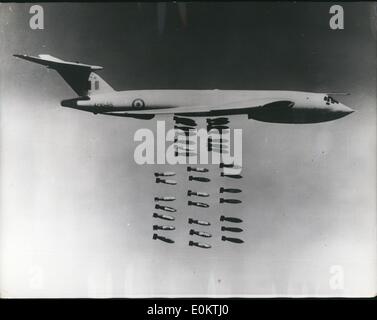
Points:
(76, 210)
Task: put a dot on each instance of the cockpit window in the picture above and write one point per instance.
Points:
(330, 100)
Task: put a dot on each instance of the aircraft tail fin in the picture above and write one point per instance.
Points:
(80, 77)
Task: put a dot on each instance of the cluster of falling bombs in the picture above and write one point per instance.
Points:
(195, 175)
(163, 209)
(224, 228)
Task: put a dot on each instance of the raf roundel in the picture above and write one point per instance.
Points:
(138, 103)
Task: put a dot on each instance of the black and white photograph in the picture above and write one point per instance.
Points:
(188, 150)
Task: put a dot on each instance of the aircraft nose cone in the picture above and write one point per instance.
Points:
(341, 110)
(346, 110)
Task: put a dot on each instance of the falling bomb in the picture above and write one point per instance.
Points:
(232, 201)
(166, 228)
(197, 169)
(164, 198)
(184, 121)
(231, 229)
(198, 194)
(200, 233)
(199, 222)
(164, 174)
(163, 216)
(217, 127)
(167, 240)
(165, 208)
(184, 128)
(199, 244)
(230, 219)
(229, 165)
(234, 240)
(222, 120)
(233, 176)
(166, 181)
(200, 179)
(230, 190)
(198, 204)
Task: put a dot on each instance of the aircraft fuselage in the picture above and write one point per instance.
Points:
(263, 105)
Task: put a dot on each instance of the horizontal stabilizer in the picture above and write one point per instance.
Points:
(79, 76)
(56, 63)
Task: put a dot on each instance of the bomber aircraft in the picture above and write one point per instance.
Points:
(97, 96)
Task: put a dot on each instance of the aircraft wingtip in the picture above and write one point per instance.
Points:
(22, 56)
